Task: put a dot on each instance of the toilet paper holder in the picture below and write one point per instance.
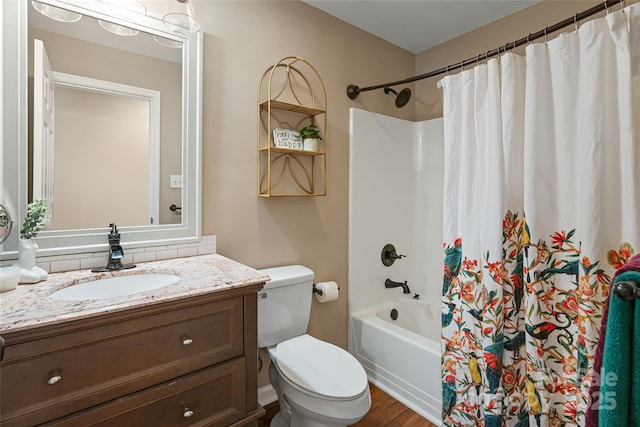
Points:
(319, 291)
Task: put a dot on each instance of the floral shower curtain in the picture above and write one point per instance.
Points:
(542, 204)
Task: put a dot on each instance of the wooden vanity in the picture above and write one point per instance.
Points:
(177, 361)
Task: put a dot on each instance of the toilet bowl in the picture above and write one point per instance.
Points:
(318, 384)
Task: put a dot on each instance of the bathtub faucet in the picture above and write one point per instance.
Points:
(391, 284)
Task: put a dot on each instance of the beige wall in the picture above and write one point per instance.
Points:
(241, 40)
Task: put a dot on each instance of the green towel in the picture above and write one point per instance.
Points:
(619, 401)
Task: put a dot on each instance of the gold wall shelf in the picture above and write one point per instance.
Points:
(291, 95)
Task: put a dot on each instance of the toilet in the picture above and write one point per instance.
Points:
(318, 384)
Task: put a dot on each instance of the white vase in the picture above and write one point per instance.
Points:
(27, 250)
(29, 271)
(310, 144)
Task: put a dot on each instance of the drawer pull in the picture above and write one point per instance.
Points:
(56, 377)
(187, 412)
(187, 341)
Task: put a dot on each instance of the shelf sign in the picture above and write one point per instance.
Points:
(287, 138)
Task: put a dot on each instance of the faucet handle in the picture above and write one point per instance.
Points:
(114, 236)
(389, 255)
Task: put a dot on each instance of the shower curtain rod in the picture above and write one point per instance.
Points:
(353, 91)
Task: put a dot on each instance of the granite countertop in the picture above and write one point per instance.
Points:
(29, 305)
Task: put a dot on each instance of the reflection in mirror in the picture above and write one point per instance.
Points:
(106, 123)
(105, 130)
(176, 75)
(6, 224)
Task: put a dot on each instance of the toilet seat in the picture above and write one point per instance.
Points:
(321, 369)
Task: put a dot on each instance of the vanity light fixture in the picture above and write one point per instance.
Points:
(127, 9)
(118, 30)
(167, 42)
(56, 13)
(181, 17)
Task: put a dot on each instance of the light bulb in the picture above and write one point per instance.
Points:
(56, 13)
(181, 17)
(126, 9)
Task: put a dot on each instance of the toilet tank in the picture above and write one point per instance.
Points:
(284, 304)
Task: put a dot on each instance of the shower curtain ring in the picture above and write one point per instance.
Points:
(529, 38)
(545, 34)
(575, 21)
(606, 6)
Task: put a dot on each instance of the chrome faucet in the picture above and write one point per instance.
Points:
(116, 253)
(391, 284)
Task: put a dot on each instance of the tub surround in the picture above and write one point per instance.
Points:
(376, 340)
(30, 305)
(412, 152)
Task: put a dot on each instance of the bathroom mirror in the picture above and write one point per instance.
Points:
(87, 172)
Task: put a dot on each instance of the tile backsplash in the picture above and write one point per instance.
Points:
(60, 263)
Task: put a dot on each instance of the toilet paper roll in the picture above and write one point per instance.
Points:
(329, 291)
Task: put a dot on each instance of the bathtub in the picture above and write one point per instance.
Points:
(401, 356)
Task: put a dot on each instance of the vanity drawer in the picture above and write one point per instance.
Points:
(210, 397)
(54, 376)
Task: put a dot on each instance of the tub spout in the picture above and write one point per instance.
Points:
(391, 284)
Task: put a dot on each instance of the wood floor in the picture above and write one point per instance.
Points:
(385, 411)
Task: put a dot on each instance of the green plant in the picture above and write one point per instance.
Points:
(34, 222)
(310, 131)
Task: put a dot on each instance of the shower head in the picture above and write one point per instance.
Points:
(401, 98)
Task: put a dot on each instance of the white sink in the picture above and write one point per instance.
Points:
(112, 287)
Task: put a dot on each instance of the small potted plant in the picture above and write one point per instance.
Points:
(34, 222)
(310, 137)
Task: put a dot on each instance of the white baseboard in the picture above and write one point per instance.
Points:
(266, 395)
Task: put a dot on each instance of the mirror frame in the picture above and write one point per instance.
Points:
(13, 147)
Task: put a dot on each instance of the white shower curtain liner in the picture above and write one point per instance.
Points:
(554, 137)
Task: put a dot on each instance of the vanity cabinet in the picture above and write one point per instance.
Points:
(185, 362)
(291, 96)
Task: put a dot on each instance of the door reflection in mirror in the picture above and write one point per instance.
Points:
(43, 127)
(103, 134)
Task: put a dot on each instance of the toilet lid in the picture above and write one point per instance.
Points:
(320, 367)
